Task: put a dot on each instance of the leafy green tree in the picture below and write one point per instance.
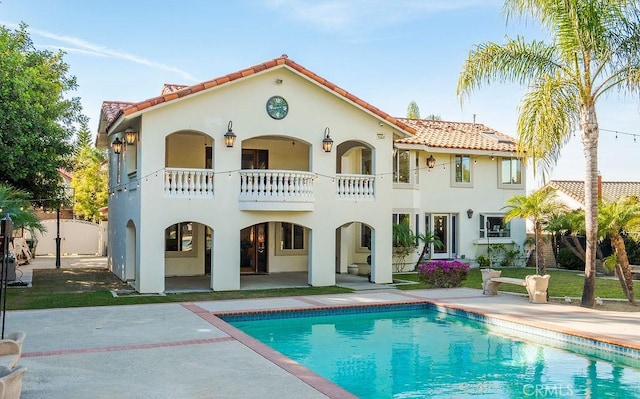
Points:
(89, 181)
(593, 48)
(537, 207)
(83, 138)
(434, 117)
(413, 112)
(613, 219)
(37, 119)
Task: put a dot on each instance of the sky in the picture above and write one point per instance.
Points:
(388, 53)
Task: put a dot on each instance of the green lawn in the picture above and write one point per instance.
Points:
(61, 288)
(562, 283)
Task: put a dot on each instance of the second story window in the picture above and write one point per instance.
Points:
(401, 166)
(462, 170)
(510, 172)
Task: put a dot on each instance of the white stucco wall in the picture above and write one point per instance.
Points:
(311, 110)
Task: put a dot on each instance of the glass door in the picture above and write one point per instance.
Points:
(441, 230)
(253, 249)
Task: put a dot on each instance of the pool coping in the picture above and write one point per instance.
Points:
(542, 330)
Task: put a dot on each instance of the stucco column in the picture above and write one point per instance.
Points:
(225, 258)
(321, 260)
(151, 277)
(381, 269)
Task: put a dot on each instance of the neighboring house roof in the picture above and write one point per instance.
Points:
(612, 191)
(112, 110)
(457, 135)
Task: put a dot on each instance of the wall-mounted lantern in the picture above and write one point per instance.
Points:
(117, 146)
(229, 136)
(130, 136)
(431, 162)
(327, 142)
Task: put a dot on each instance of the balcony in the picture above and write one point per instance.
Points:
(276, 190)
(184, 182)
(355, 187)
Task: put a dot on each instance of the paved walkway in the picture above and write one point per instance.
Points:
(183, 350)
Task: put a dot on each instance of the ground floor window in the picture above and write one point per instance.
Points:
(493, 225)
(179, 237)
(291, 239)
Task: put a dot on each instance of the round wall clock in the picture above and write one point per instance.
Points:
(277, 107)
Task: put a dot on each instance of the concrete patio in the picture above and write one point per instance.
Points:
(182, 350)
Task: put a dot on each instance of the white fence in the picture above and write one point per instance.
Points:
(77, 237)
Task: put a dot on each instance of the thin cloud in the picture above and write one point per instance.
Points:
(77, 45)
(358, 15)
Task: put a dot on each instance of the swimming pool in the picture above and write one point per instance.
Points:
(415, 351)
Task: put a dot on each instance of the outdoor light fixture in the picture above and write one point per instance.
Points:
(130, 136)
(469, 213)
(117, 146)
(431, 162)
(327, 143)
(229, 136)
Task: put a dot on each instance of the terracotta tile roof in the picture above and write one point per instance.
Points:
(173, 92)
(168, 88)
(112, 109)
(457, 135)
(611, 190)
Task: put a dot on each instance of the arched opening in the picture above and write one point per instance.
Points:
(131, 269)
(354, 241)
(275, 253)
(188, 164)
(355, 170)
(188, 248)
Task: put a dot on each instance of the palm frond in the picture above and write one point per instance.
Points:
(515, 61)
(547, 117)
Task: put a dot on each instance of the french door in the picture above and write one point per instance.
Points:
(253, 249)
(444, 226)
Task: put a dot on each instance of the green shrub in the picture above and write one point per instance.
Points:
(483, 261)
(569, 260)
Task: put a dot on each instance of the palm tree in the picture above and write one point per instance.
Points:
(593, 49)
(15, 203)
(538, 207)
(613, 219)
(428, 239)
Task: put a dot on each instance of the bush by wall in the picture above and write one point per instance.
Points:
(569, 260)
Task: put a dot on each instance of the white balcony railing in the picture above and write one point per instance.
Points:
(188, 182)
(355, 186)
(276, 186)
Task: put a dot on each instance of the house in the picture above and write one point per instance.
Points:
(275, 169)
(571, 192)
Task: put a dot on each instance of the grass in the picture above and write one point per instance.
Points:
(562, 283)
(62, 288)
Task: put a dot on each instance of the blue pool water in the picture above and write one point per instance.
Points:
(422, 353)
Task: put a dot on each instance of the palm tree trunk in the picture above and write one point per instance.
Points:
(589, 126)
(540, 266)
(422, 254)
(573, 245)
(626, 279)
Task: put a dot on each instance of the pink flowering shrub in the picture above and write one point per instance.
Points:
(443, 273)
